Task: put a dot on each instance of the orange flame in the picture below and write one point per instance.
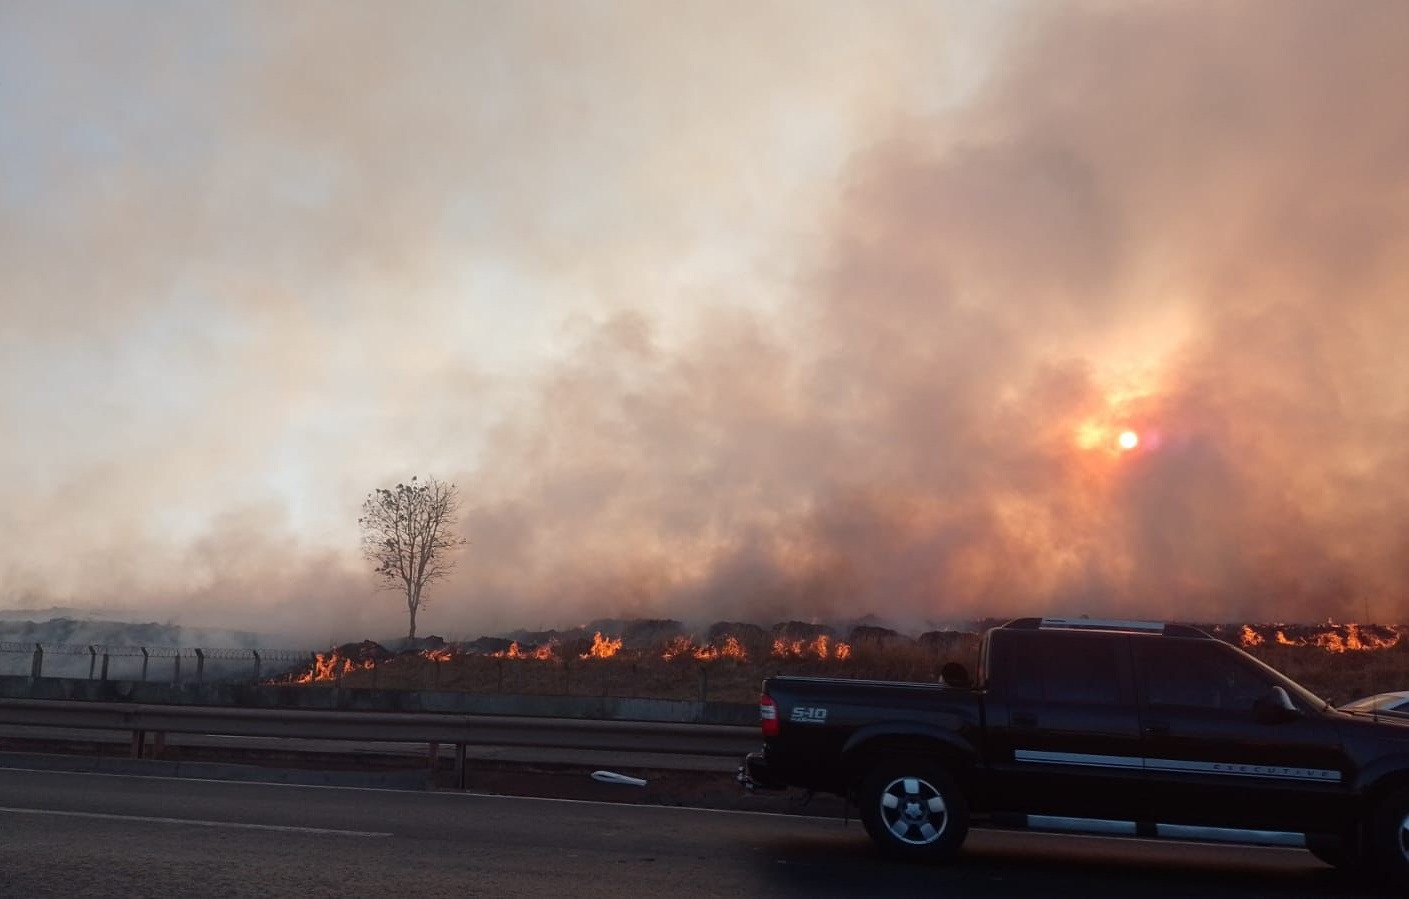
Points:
(684, 646)
(444, 654)
(1354, 639)
(542, 653)
(731, 649)
(331, 666)
(602, 647)
(820, 648)
(678, 646)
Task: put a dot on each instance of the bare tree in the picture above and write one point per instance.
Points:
(408, 533)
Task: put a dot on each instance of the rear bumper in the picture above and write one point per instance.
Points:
(754, 774)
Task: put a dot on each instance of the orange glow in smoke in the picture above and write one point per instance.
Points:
(1128, 440)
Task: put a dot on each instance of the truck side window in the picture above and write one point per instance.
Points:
(1199, 675)
(1066, 669)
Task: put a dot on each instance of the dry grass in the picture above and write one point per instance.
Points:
(1339, 677)
(650, 677)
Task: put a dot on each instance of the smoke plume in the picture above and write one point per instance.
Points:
(746, 312)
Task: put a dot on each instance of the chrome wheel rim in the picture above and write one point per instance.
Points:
(914, 812)
(1404, 837)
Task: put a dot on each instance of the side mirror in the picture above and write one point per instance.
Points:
(1275, 708)
(954, 675)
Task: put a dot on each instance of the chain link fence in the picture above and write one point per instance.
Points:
(157, 664)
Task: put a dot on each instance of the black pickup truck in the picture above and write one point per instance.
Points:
(1148, 729)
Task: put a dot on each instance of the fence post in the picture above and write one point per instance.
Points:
(176, 669)
(704, 683)
(255, 652)
(146, 657)
(104, 675)
(200, 664)
(37, 669)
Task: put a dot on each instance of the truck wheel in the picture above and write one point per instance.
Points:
(1389, 836)
(914, 810)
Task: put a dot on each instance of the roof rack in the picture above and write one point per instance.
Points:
(1119, 625)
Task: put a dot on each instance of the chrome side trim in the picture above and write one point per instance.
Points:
(1081, 825)
(1231, 835)
(1176, 766)
(1188, 832)
(1235, 769)
(1078, 759)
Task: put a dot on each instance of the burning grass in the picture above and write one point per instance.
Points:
(725, 663)
(728, 662)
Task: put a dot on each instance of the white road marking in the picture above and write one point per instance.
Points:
(1153, 841)
(452, 794)
(191, 822)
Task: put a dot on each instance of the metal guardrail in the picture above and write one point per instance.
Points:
(432, 729)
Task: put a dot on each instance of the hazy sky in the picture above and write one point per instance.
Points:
(712, 310)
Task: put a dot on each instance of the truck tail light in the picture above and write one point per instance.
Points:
(768, 714)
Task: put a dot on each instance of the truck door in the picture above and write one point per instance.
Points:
(1209, 759)
(1063, 727)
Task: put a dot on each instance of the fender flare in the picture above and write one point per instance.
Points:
(1369, 778)
(909, 730)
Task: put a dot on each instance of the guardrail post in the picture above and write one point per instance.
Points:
(104, 674)
(36, 670)
(92, 661)
(139, 739)
(200, 665)
(255, 653)
(459, 766)
(145, 659)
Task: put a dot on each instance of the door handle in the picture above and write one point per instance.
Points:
(1157, 729)
(1024, 721)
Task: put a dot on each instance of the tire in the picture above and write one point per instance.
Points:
(913, 810)
(1389, 837)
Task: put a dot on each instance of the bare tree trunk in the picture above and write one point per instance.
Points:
(411, 607)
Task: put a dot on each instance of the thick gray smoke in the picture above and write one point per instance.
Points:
(835, 344)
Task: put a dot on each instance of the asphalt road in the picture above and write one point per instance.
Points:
(72, 835)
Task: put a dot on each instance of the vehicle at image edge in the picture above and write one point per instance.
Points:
(1392, 704)
(1139, 728)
